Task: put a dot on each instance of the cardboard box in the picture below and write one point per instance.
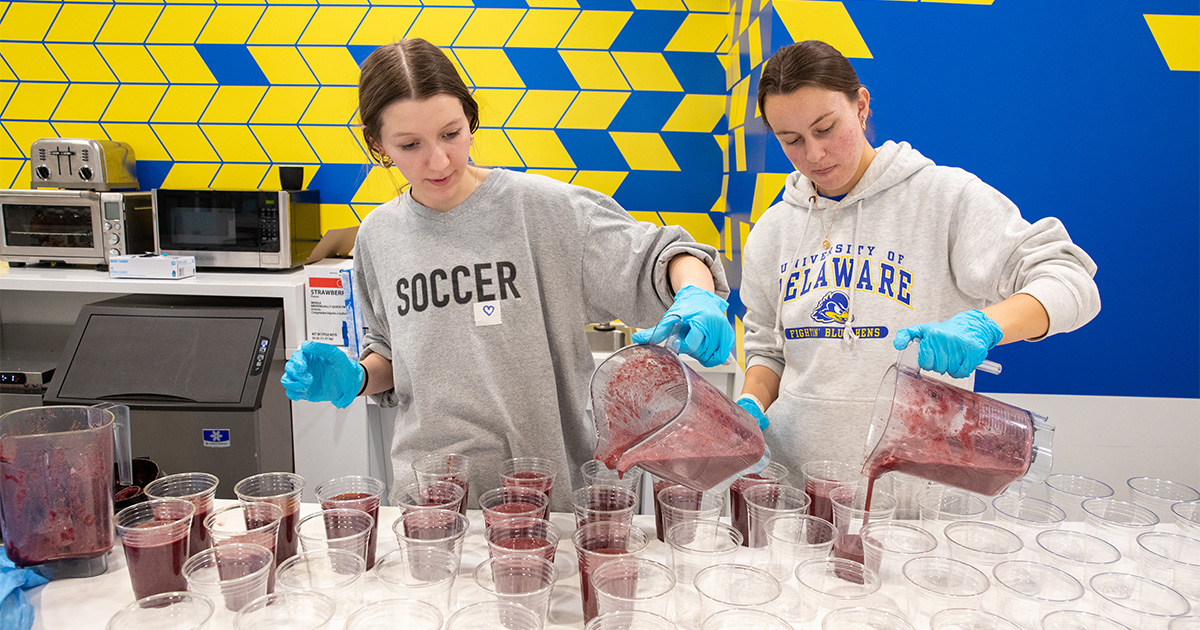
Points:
(325, 301)
(157, 266)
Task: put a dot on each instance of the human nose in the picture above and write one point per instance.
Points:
(439, 159)
(814, 151)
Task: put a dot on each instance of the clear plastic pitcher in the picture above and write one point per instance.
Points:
(56, 488)
(653, 411)
(936, 431)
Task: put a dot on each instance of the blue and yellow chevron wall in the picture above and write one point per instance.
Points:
(1080, 109)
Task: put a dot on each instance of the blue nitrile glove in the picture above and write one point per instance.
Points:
(704, 329)
(320, 372)
(16, 613)
(753, 408)
(956, 346)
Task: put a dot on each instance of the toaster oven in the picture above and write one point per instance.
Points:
(73, 226)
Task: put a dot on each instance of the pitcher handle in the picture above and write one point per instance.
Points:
(122, 447)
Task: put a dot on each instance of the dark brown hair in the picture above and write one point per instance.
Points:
(803, 64)
(409, 69)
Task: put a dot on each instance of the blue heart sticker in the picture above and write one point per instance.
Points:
(488, 310)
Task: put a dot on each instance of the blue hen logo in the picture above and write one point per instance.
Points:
(832, 309)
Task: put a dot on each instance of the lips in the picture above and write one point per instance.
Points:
(825, 171)
(440, 182)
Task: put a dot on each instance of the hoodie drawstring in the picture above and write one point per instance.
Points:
(812, 208)
(848, 334)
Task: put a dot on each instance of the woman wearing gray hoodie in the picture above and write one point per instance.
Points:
(872, 248)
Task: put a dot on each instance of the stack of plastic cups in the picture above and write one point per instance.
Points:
(633, 584)
(1070, 491)
(396, 613)
(1118, 522)
(735, 587)
(1136, 601)
(231, 575)
(1158, 495)
(1027, 591)
(282, 489)
(792, 539)
(934, 584)
(451, 467)
(199, 489)
(357, 493)
(173, 610)
(337, 573)
(523, 580)
(694, 546)
(421, 573)
(306, 610)
(1082, 555)
(981, 545)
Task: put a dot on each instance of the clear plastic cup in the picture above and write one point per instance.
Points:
(1136, 601)
(1027, 517)
(887, 545)
(231, 576)
(680, 504)
(282, 489)
(529, 472)
(154, 534)
(255, 523)
(695, 545)
(493, 614)
(603, 503)
(657, 485)
(1158, 495)
(861, 618)
(356, 493)
(196, 487)
(825, 585)
(1069, 491)
(524, 580)
(849, 515)
(173, 610)
(598, 543)
(981, 544)
(773, 474)
(938, 506)
(970, 619)
(745, 620)
(523, 535)
(1027, 591)
(396, 613)
(629, 620)
(1118, 522)
(1186, 622)
(764, 502)
(1171, 559)
(1186, 515)
(440, 529)
(501, 503)
(336, 573)
(792, 539)
(1079, 620)
(422, 573)
(336, 528)
(735, 586)
(595, 473)
(633, 584)
(450, 467)
(1081, 555)
(820, 478)
(434, 495)
(933, 584)
(300, 610)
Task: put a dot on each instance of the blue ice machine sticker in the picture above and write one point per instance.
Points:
(216, 438)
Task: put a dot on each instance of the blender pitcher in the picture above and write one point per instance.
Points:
(936, 431)
(653, 411)
(56, 488)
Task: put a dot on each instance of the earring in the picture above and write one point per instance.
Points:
(863, 122)
(386, 161)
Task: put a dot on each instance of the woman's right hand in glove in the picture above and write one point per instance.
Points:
(320, 372)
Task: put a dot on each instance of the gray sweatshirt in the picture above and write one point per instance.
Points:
(912, 243)
(482, 312)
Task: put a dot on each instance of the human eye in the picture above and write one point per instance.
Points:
(825, 130)
(453, 134)
(408, 147)
(794, 140)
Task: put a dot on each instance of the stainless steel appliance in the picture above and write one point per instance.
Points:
(245, 229)
(99, 165)
(74, 226)
(200, 376)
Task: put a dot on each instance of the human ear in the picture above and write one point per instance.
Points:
(863, 104)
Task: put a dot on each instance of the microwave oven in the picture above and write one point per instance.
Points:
(73, 226)
(238, 229)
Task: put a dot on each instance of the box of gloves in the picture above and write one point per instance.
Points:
(152, 266)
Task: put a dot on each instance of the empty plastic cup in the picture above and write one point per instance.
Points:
(735, 586)
(980, 544)
(1069, 491)
(938, 506)
(396, 613)
(154, 534)
(306, 610)
(1186, 515)
(282, 489)
(595, 473)
(1171, 559)
(523, 535)
(424, 573)
(745, 620)
(1118, 522)
(698, 544)
(524, 580)
(1082, 555)
(933, 584)
(1080, 620)
(1136, 601)
(633, 584)
(1027, 517)
(792, 539)
(173, 610)
(256, 523)
(827, 584)
(1027, 591)
(1158, 495)
(357, 493)
(336, 573)
(862, 618)
(494, 615)
(196, 487)
(764, 502)
(336, 528)
(231, 575)
(970, 619)
(629, 620)
(450, 467)
(887, 545)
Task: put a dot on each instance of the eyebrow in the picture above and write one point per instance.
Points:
(448, 125)
(814, 124)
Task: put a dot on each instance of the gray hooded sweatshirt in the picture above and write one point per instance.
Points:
(482, 309)
(912, 243)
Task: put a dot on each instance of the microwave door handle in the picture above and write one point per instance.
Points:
(148, 398)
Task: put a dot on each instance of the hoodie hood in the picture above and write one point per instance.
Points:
(893, 163)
